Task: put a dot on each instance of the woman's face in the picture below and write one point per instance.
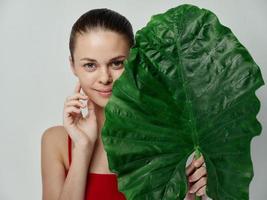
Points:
(98, 62)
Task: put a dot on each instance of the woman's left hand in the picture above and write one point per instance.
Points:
(197, 178)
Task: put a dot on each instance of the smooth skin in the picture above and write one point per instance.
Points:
(108, 50)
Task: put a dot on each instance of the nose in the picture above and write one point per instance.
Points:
(105, 76)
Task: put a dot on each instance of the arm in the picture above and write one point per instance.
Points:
(83, 131)
(55, 185)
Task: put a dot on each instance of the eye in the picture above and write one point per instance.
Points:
(118, 64)
(89, 66)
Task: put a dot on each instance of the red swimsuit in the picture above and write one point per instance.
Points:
(100, 186)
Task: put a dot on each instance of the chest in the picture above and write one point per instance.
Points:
(99, 161)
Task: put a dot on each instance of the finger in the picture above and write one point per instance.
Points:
(76, 103)
(200, 183)
(190, 196)
(91, 110)
(190, 168)
(90, 105)
(200, 172)
(76, 97)
(71, 110)
(199, 162)
(82, 92)
(78, 117)
(70, 114)
(201, 191)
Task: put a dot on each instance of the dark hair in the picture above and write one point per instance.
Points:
(105, 19)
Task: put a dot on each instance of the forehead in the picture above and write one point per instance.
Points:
(100, 45)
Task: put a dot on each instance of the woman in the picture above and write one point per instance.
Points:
(74, 163)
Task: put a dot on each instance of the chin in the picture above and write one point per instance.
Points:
(102, 102)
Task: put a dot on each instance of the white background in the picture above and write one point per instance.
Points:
(35, 76)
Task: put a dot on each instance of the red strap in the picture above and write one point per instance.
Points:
(69, 148)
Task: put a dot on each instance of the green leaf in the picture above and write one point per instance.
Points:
(188, 85)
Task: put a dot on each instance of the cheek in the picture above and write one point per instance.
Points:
(117, 74)
(87, 84)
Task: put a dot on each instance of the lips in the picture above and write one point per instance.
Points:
(105, 93)
(106, 90)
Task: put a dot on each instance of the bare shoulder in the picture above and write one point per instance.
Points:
(54, 161)
(55, 140)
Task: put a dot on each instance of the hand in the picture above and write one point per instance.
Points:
(82, 130)
(197, 178)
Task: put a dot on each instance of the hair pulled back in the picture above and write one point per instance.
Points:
(101, 18)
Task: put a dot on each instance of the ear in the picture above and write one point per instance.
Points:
(72, 66)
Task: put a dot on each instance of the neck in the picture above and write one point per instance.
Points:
(100, 116)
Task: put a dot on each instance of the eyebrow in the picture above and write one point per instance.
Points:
(93, 60)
